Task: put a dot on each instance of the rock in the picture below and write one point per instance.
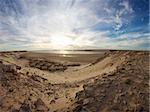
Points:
(128, 81)
(80, 95)
(32, 64)
(1, 62)
(27, 73)
(124, 102)
(18, 67)
(11, 90)
(140, 109)
(40, 106)
(122, 68)
(89, 91)
(107, 85)
(25, 107)
(44, 68)
(111, 74)
(45, 65)
(119, 90)
(52, 101)
(56, 96)
(14, 110)
(50, 92)
(78, 109)
(73, 65)
(9, 68)
(88, 100)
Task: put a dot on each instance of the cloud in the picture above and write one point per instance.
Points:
(40, 23)
(127, 8)
(134, 40)
(120, 16)
(43, 24)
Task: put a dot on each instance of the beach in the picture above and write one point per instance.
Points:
(74, 81)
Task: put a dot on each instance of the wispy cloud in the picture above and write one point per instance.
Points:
(43, 24)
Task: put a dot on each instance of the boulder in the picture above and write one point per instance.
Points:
(25, 107)
(40, 106)
(9, 68)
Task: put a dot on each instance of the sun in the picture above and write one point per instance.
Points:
(61, 42)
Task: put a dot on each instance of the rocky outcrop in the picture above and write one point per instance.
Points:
(37, 106)
(124, 90)
(25, 107)
(17, 91)
(40, 106)
(46, 65)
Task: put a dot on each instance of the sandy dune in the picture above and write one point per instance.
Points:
(31, 82)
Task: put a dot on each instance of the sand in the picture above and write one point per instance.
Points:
(31, 81)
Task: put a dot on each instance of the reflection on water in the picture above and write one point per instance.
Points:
(69, 52)
(63, 52)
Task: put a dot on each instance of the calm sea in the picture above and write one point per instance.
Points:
(71, 51)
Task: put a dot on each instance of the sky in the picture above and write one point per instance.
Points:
(74, 24)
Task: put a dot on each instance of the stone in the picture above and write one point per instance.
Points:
(11, 90)
(25, 107)
(88, 93)
(86, 101)
(18, 67)
(40, 105)
(52, 101)
(44, 67)
(9, 68)
(128, 81)
(14, 110)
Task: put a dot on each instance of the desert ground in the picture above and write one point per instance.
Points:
(112, 81)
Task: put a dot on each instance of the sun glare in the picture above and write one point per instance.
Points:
(61, 42)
